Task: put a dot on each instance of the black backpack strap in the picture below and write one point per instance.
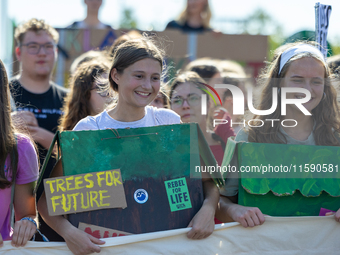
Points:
(39, 188)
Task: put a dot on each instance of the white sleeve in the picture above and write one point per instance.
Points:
(167, 117)
(88, 123)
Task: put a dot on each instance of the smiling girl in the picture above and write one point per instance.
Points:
(135, 75)
(298, 66)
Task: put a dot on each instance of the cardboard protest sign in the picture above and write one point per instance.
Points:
(100, 232)
(178, 194)
(285, 179)
(322, 15)
(85, 192)
(148, 159)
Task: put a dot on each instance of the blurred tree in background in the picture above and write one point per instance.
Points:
(261, 23)
(128, 21)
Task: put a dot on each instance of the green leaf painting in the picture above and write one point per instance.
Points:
(307, 178)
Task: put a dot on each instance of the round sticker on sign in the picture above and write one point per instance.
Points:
(141, 196)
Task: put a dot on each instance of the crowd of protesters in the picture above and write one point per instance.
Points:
(124, 87)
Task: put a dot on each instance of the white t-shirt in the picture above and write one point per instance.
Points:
(153, 117)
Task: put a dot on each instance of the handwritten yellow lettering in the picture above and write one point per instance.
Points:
(99, 179)
(74, 200)
(107, 177)
(116, 176)
(86, 178)
(63, 203)
(60, 185)
(54, 203)
(93, 198)
(68, 183)
(51, 185)
(101, 198)
(77, 182)
(82, 201)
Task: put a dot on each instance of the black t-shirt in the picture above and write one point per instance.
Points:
(46, 108)
(185, 27)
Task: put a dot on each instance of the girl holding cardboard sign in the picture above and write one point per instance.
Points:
(18, 173)
(135, 75)
(296, 66)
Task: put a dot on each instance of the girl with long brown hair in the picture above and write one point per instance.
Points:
(135, 75)
(86, 97)
(298, 65)
(18, 173)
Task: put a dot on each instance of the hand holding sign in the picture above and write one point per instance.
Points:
(203, 223)
(80, 242)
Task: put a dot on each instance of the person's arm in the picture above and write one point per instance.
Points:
(24, 206)
(203, 223)
(77, 241)
(228, 210)
(39, 134)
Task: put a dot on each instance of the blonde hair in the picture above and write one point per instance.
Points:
(206, 16)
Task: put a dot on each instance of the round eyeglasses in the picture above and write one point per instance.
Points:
(34, 48)
(192, 100)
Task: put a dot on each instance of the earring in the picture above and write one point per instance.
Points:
(324, 96)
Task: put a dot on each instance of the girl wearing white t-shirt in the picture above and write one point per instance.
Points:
(135, 75)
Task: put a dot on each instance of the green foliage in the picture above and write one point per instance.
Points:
(336, 45)
(128, 21)
(262, 23)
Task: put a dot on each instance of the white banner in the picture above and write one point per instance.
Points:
(278, 235)
(322, 15)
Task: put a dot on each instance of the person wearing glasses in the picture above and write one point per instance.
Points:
(87, 97)
(37, 98)
(185, 95)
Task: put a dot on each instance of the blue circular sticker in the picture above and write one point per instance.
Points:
(141, 196)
